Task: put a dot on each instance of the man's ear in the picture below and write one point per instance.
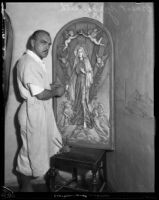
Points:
(32, 43)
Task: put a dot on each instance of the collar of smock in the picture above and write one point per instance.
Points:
(36, 58)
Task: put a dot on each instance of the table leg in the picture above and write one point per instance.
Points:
(94, 181)
(51, 179)
(104, 168)
(101, 175)
(74, 174)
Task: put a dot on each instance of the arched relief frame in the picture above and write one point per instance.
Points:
(83, 61)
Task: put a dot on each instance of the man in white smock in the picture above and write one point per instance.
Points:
(38, 128)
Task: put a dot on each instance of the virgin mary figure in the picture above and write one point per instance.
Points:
(80, 82)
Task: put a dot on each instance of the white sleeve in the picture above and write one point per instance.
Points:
(35, 89)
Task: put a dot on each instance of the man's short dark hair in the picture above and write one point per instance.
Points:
(34, 36)
(38, 32)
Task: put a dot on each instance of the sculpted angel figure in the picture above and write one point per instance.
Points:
(100, 60)
(92, 36)
(80, 82)
(65, 66)
(70, 36)
(67, 113)
(101, 122)
(64, 61)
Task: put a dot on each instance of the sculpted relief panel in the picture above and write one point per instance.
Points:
(83, 62)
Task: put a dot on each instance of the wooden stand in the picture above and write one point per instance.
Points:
(84, 158)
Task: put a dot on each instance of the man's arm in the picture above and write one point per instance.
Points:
(47, 94)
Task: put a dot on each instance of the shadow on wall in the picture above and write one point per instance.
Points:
(16, 123)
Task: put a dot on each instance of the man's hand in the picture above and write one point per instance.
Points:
(57, 89)
(55, 85)
(60, 91)
(65, 149)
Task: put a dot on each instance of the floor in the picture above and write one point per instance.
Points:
(40, 186)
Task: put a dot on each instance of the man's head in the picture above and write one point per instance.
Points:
(39, 42)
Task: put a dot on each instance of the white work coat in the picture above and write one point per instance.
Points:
(36, 118)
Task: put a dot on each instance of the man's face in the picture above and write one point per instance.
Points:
(41, 45)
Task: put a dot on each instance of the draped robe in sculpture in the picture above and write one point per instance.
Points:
(36, 118)
(81, 80)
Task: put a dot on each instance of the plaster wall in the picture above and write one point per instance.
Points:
(131, 166)
(26, 18)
